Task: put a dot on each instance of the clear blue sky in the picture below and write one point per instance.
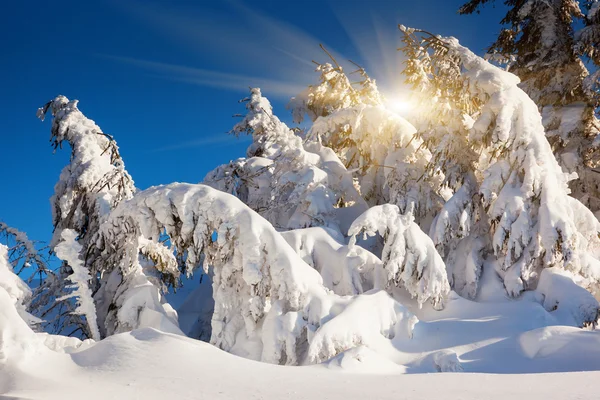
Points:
(164, 77)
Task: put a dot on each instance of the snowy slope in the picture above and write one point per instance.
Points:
(147, 364)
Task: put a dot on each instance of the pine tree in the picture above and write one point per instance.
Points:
(531, 221)
(95, 180)
(410, 260)
(542, 48)
(290, 183)
(263, 290)
(93, 184)
(376, 144)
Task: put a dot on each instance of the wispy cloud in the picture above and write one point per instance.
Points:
(213, 141)
(272, 54)
(203, 77)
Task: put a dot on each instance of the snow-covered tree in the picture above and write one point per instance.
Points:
(388, 162)
(93, 184)
(532, 221)
(410, 260)
(95, 180)
(443, 118)
(45, 284)
(542, 48)
(18, 291)
(14, 318)
(264, 292)
(291, 184)
(334, 92)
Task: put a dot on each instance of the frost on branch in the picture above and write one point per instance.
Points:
(291, 185)
(95, 180)
(409, 257)
(263, 291)
(333, 93)
(381, 148)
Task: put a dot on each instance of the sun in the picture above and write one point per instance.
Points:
(399, 106)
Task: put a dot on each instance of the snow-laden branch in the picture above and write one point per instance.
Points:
(263, 291)
(346, 270)
(409, 257)
(288, 183)
(524, 190)
(94, 181)
(69, 251)
(333, 93)
(384, 152)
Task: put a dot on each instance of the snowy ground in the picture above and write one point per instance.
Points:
(147, 364)
(508, 349)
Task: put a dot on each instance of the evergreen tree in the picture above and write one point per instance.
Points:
(520, 195)
(290, 183)
(541, 46)
(90, 186)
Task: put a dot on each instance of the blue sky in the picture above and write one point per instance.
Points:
(164, 77)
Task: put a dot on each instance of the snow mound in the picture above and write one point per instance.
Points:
(553, 340)
(569, 303)
(363, 360)
(447, 361)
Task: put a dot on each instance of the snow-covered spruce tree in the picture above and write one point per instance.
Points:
(379, 146)
(410, 260)
(291, 184)
(266, 296)
(533, 222)
(443, 109)
(541, 47)
(94, 183)
(95, 180)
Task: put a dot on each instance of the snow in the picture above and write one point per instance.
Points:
(17, 291)
(150, 364)
(291, 184)
(342, 268)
